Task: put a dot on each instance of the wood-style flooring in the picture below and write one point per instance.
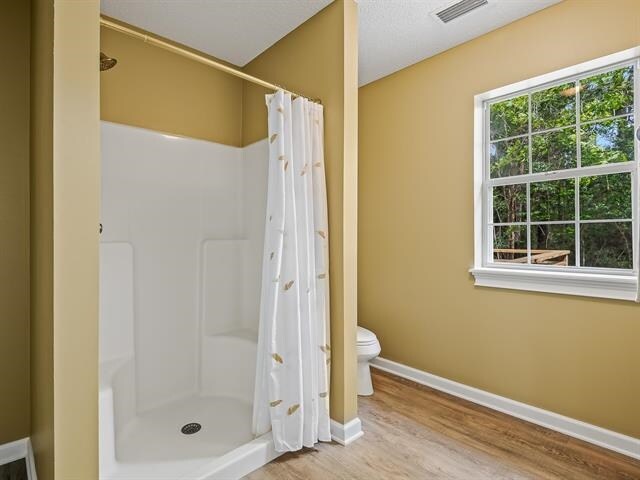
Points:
(415, 432)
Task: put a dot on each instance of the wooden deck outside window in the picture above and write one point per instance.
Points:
(538, 257)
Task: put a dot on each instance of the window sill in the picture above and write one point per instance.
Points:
(619, 287)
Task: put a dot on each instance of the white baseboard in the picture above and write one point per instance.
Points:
(575, 428)
(10, 452)
(346, 433)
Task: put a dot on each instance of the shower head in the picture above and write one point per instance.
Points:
(106, 63)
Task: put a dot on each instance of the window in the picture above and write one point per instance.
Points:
(556, 182)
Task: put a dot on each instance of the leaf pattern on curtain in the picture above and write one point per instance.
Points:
(292, 376)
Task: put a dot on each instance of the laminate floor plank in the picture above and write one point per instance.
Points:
(416, 432)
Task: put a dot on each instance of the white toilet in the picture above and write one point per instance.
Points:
(368, 348)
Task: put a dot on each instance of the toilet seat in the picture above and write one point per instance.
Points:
(366, 337)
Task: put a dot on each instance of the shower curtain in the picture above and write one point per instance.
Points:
(292, 377)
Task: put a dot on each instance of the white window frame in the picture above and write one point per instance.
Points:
(591, 282)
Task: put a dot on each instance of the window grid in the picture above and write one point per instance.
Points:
(576, 181)
(528, 193)
(564, 127)
(576, 173)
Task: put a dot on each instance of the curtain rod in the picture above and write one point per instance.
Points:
(194, 56)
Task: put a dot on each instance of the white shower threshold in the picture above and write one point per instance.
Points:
(233, 465)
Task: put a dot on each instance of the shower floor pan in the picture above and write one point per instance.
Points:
(151, 445)
(156, 436)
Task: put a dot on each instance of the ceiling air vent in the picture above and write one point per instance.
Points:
(458, 9)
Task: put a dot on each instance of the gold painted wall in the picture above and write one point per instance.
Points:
(319, 60)
(65, 167)
(76, 202)
(159, 90)
(14, 222)
(41, 208)
(574, 356)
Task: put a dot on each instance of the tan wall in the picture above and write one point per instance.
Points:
(41, 208)
(159, 90)
(76, 199)
(319, 59)
(14, 222)
(578, 357)
(65, 167)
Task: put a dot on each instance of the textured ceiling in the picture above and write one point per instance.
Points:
(394, 34)
(233, 30)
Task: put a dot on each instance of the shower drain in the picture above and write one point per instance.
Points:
(191, 428)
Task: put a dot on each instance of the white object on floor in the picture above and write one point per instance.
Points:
(368, 348)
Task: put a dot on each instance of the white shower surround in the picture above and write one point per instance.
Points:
(181, 255)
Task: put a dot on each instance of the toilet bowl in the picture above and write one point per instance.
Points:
(368, 348)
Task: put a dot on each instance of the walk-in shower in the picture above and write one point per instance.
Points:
(180, 267)
(214, 293)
